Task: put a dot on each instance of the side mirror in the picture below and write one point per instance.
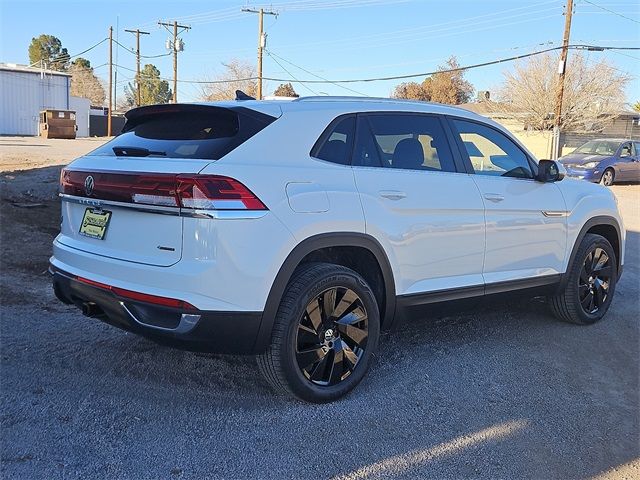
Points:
(550, 171)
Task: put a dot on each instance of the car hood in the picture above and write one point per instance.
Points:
(582, 158)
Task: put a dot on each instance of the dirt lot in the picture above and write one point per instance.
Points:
(499, 391)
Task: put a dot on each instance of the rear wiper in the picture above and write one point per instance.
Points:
(136, 152)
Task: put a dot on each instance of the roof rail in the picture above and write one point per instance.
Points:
(338, 98)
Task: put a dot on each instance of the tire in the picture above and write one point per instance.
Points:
(608, 177)
(313, 356)
(591, 283)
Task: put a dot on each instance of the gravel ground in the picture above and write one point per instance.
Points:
(499, 391)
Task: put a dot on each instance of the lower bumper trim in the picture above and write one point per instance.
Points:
(194, 330)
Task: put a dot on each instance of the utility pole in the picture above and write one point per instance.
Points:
(110, 80)
(176, 46)
(138, 32)
(262, 42)
(562, 68)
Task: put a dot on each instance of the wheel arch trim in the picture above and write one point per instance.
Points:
(310, 245)
(588, 225)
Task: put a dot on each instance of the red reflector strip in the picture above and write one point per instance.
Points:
(140, 297)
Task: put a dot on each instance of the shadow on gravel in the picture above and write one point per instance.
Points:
(488, 389)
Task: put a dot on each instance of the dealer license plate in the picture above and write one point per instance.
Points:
(94, 223)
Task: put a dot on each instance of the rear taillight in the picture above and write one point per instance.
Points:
(197, 192)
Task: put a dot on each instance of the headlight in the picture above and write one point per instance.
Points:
(590, 165)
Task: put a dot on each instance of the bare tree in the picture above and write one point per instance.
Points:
(84, 83)
(237, 75)
(593, 93)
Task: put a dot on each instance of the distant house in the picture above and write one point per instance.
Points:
(625, 125)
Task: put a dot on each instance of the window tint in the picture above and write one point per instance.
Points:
(406, 141)
(491, 152)
(195, 132)
(336, 147)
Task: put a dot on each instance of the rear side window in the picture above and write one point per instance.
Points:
(404, 141)
(198, 132)
(335, 144)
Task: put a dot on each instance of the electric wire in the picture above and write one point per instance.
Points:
(141, 56)
(290, 74)
(611, 11)
(272, 55)
(413, 75)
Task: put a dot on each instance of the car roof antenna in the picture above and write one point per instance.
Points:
(240, 95)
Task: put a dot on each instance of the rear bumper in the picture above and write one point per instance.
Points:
(195, 330)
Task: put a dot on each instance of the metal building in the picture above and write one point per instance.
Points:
(25, 91)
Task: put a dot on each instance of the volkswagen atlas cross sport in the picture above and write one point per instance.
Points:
(297, 230)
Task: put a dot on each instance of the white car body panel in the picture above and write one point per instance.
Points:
(434, 237)
(521, 241)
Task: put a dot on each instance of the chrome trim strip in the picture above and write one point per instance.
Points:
(164, 210)
(187, 323)
(555, 213)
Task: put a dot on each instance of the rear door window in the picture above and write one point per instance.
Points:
(403, 140)
(190, 132)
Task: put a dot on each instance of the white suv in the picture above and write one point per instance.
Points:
(296, 230)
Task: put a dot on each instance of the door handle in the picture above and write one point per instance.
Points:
(494, 197)
(392, 194)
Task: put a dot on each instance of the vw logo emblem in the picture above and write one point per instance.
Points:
(88, 185)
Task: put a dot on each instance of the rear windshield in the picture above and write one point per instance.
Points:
(195, 132)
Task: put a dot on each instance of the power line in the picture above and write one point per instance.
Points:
(409, 34)
(290, 74)
(413, 75)
(89, 49)
(141, 56)
(399, 36)
(610, 11)
(273, 55)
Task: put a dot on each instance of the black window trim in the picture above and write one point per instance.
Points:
(458, 163)
(465, 156)
(326, 133)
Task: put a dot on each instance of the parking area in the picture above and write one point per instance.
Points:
(499, 390)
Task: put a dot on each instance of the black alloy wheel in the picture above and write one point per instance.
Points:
(594, 280)
(332, 336)
(589, 284)
(325, 334)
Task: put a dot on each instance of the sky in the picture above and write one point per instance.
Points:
(331, 39)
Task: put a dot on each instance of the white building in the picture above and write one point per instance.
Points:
(25, 91)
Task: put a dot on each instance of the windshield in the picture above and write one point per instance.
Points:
(598, 147)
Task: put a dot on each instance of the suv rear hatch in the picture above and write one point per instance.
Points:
(128, 198)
